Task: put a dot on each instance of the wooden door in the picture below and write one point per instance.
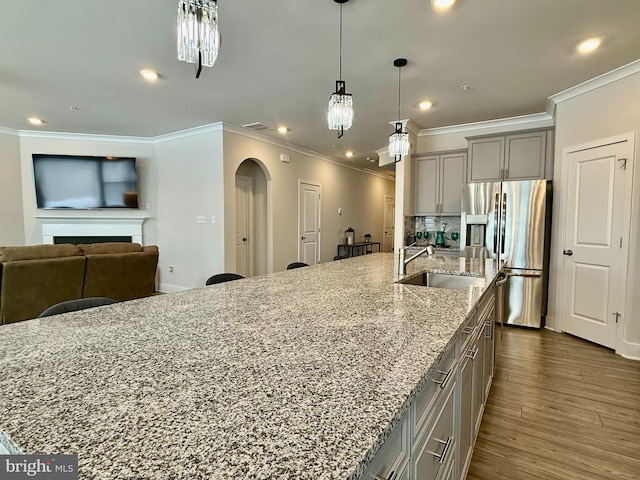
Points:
(596, 240)
(389, 216)
(244, 189)
(309, 223)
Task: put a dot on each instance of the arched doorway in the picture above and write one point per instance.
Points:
(251, 218)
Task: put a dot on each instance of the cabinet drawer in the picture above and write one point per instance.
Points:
(393, 456)
(422, 408)
(437, 445)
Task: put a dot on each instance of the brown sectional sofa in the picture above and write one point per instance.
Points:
(32, 278)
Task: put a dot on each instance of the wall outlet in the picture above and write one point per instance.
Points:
(170, 268)
(213, 219)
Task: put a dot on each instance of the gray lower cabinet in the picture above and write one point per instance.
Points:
(436, 446)
(434, 439)
(517, 156)
(394, 455)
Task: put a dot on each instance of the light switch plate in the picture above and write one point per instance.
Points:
(201, 219)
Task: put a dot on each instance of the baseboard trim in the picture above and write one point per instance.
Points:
(551, 324)
(166, 288)
(630, 351)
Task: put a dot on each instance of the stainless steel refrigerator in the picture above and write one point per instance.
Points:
(510, 222)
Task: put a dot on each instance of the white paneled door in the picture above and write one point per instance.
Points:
(596, 240)
(309, 223)
(389, 215)
(244, 188)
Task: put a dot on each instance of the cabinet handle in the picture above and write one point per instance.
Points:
(488, 334)
(473, 355)
(444, 380)
(447, 445)
(468, 330)
(390, 477)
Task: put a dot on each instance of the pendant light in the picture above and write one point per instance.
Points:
(340, 112)
(399, 140)
(198, 36)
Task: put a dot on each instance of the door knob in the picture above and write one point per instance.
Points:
(568, 252)
(303, 238)
(244, 239)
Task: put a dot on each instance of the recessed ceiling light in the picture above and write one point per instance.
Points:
(282, 129)
(349, 154)
(426, 105)
(149, 75)
(589, 45)
(442, 4)
(35, 121)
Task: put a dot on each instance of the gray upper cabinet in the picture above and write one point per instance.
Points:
(517, 156)
(438, 179)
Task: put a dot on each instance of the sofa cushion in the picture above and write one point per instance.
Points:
(120, 276)
(31, 286)
(36, 252)
(109, 247)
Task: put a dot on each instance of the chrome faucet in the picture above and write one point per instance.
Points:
(403, 261)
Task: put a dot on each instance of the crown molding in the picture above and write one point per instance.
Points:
(227, 127)
(210, 128)
(84, 136)
(189, 132)
(592, 84)
(540, 119)
(9, 131)
(408, 125)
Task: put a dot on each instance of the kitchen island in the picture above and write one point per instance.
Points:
(301, 374)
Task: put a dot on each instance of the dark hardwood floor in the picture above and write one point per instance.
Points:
(559, 408)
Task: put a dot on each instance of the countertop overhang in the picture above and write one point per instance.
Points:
(299, 374)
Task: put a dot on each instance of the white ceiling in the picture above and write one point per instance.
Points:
(279, 62)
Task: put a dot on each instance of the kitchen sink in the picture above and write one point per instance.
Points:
(439, 280)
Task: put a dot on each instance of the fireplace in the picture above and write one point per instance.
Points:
(91, 229)
(84, 240)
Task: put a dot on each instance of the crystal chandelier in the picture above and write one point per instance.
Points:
(198, 36)
(340, 112)
(399, 140)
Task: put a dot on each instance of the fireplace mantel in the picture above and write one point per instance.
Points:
(88, 226)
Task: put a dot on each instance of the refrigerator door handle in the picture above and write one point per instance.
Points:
(499, 299)
(503, 226)
(496, 223)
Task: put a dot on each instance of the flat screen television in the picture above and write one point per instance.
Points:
(83, 182)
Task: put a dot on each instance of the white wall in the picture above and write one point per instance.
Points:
(359, 194)
(608, 111)
(11, 216)
(62, 144)
(190, 184)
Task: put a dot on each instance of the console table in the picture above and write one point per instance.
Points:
(356, 249)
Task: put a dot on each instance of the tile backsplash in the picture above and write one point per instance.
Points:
(431, 225)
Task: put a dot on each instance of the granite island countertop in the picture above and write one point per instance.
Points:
(299, 374)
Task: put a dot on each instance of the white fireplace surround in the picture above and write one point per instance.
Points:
(102, 226)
